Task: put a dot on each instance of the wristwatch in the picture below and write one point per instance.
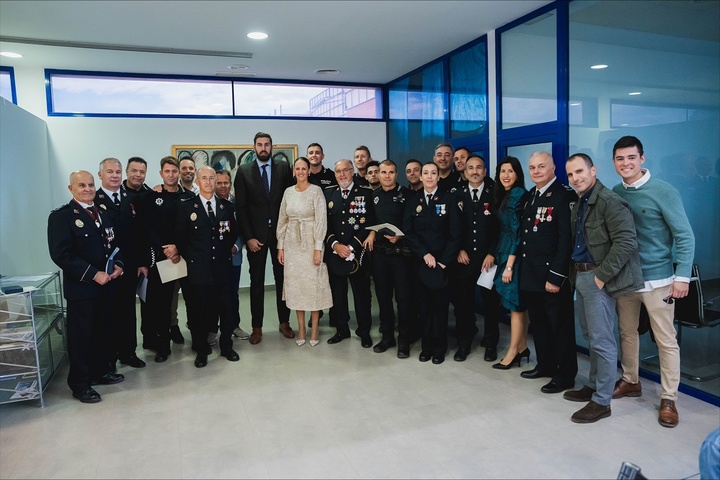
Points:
(509, 269)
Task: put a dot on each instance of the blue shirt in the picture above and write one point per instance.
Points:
(580, 250)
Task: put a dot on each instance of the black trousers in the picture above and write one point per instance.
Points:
(340, 312)
(553, 321)
(392, 275)
(462, 286)
(493, 314)
(256, 264)
(157, 322)
(206, 304)
(88, 331)
(434, 305)
(124, 323)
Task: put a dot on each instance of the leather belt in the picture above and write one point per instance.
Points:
(585, 267)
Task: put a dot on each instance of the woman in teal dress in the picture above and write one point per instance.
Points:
(509, 206)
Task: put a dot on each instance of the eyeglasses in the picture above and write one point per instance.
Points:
(344, 170)
(669, 300)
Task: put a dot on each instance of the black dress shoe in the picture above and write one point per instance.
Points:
(490, 354)
(534, 373)
(424, 357)
(438, 359)
(201, 360)
(338, 337)
(133, 361)
(403, 351)
(366, 341)
(89, 395)
(461, 354)
(160, 357)
(231, 355)
(383, 346)
(553, 387)
(109, 379)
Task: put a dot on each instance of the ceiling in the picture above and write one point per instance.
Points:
(367, 41)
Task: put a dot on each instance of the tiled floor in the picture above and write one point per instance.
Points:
(338, 411)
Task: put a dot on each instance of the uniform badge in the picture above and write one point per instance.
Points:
(222, 206)
(109, 235)
(79, 223)
(124, 194)
(487, 208)
(193, 216)
(549, 214)
(548, 194)
(158, 201)
(351, 220)
(224, 226)
(419, 209)
(330, 204)
(362, 220)
(102, 205)
(460, 205)
(572, 205)
(376, 200)
(356, 227)
(440, 209)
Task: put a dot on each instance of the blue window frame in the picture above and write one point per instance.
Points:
(7, 84)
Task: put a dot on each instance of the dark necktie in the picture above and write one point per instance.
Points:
(475, 195)
(345, 193)
(116, 200)
(429, 197)
(210, 212)
(536, 196)
(266, 183)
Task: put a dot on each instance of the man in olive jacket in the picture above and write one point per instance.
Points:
(606, 264)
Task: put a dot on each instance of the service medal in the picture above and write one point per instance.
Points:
(193, 216)
(351, 220)
(79, 223)
(487, 208)
(102, 205)
(549, 215)
(362, 219)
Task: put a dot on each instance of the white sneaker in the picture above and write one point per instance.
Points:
(212, 338)
(241, 334)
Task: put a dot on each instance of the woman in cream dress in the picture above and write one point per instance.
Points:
(301, 237)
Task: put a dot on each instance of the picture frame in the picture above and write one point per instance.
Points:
(230, 157)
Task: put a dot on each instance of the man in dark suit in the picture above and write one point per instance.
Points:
(81, 239)
(112, 198)
(206, 231)
(350, 210)
(480, 235)
(259, 188)
(546, 248)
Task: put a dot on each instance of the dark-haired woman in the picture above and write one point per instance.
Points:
(509, 193)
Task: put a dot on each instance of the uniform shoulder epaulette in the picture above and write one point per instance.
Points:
(367, 187)
(67, 205)
(567, 187)
(330, 187)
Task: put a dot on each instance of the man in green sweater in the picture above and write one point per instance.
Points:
(661, 224)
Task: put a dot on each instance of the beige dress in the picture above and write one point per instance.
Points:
(301, 230)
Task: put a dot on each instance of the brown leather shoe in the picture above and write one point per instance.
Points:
(286, 330)
(626, 389)
(256, 336)
(583, 395)
(591, 413)
(668, 416)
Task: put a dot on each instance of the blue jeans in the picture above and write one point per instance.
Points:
(595, 310)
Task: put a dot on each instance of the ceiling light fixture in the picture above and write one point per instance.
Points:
(327, 71)
(237, 66)
(257, 35)
(599, 66)
(11, 54)
(635, 93)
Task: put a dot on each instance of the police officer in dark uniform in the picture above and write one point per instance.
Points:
(391, 263)
(206, 231)
(113, 198)
(480, 235)
(433, 229)
(546, 248)
(321, 176)
(158, 212)
(81, 240)
(350, 209)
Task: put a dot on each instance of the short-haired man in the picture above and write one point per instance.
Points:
(392, 263)
(114, 199)
(546, 247)
(135, 174)
(460, 158)
(187, 175)
(81, 237)
(663, 233)
(350, 209)
(606, 265)
(361, 157)
(206, 231)
(372, 174)
(480, 236)
(413, 167)
(259, 188)
(319, 175)
(444, 160)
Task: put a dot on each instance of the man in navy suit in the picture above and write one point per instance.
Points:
(259, 188)
(81, 238)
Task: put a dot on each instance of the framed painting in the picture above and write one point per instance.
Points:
(230, 157)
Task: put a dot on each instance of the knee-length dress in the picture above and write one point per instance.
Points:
(301, 229)
(508, 244)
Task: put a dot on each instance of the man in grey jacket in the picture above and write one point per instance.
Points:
(606, 264)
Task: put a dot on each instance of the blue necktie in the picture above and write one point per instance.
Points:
(266, 184)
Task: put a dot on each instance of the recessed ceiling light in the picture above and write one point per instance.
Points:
(575, 104)
(237, 66)
(257, 35)
(11, 54)
(635, 93)
(327, 71)
(599, 66)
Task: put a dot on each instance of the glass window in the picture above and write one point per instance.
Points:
(468, 92)
(7, 84)
(529, 72)
(284, 100)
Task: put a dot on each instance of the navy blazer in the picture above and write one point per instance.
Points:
(434, 228)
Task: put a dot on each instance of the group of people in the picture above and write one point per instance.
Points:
(424, 247)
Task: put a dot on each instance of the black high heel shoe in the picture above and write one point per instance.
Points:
(518, 359)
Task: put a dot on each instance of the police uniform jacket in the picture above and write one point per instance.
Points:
(158, 211)
(390, 208)
(347, 218)
(326, 178)
(546, 237)
(125, 220)
(81, 249)
(480, 224)
(206, 246)
(435, 228)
